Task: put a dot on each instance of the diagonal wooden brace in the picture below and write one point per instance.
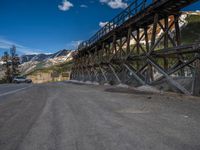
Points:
(169, 79)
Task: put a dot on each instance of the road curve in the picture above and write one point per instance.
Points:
(65, 116)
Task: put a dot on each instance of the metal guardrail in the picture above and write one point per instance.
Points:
(130, 11)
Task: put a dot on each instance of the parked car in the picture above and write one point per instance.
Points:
(21, 80)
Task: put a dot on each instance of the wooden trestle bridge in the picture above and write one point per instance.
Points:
(142, 45)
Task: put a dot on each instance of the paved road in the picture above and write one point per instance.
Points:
(6, 89)
(64, 116)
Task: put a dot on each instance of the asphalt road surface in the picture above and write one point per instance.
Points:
(65, 116)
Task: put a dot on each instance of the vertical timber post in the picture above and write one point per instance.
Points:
(178, 37)
(196, 79)
(153, 41)
(137, 46)
(177, 28)
(166, 41)
(128, 42)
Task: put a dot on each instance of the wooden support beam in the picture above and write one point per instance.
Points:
(170, 79)
(115, 74)
(128, 41)
(196, 79)
(114, 44)
(138, 47)
(176, 68)
(154, 31)
(134, 74)
(166, 41)
(166, 25)
(146, 38)
(95, 73)
(177, 30)
(103, 73)
(178, 37)
(120, 48)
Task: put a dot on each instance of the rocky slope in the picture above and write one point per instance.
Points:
(30, 63)
(43, 57)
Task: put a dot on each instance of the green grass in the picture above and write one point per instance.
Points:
(64, 67)
(39, 66)
(191, 33)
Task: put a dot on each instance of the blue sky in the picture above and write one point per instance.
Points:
(46, 26)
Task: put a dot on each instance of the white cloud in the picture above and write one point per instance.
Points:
(6, 45)
(66, 5)
(102, 24)
(115, 4)
(83, 6)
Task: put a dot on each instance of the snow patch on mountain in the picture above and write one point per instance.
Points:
(32, 62)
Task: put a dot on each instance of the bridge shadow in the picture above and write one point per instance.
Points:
(127, 91)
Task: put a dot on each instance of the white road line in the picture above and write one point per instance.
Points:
(14, 91)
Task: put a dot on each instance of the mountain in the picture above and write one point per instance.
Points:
(33, 62)
(35, 57)
(55, 67)
(42, 57)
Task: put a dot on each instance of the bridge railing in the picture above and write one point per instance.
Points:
(135, 7)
